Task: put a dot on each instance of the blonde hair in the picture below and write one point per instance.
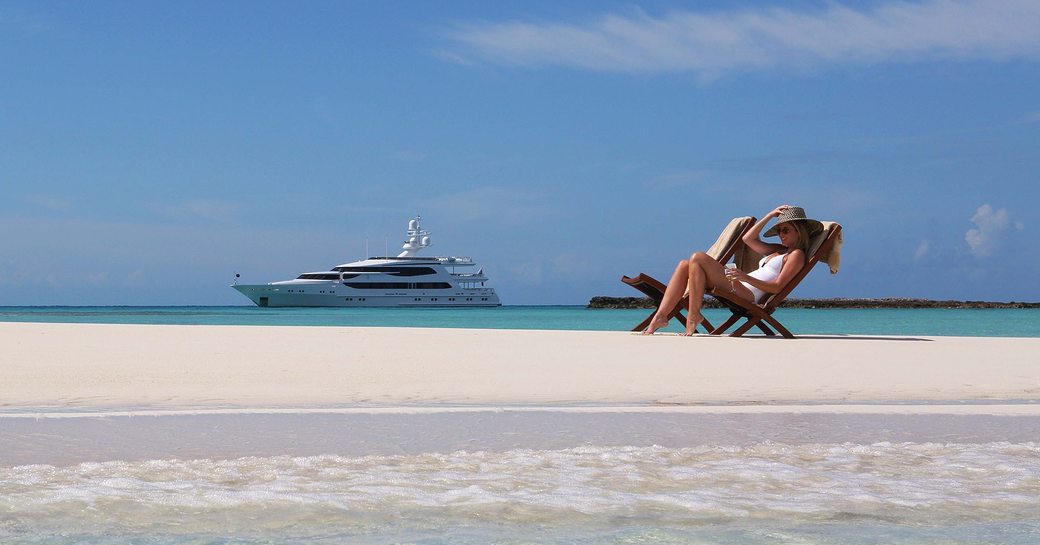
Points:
(804, 237)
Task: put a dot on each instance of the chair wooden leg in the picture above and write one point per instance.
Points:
(642, 325)
(707, 325)
(677, 312)
(725, 325)
(751, 321)
(642, 283)
(681, 318)
(779, 327)
(678, 315)
(765, 329)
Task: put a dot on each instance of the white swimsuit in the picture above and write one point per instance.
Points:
(768, 270)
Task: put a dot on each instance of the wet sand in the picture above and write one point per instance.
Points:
(65, 441)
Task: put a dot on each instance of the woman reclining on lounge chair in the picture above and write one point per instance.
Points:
(781, 263)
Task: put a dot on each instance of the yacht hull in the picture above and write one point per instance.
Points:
(336, 295)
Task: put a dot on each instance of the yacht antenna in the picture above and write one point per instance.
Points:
(417, 238)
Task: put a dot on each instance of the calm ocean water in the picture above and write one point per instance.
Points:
(954, 322)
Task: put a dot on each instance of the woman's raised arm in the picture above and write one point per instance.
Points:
(751, 238)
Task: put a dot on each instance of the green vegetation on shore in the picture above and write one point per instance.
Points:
(893, 302)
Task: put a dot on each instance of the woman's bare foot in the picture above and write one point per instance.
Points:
(691, 325)
(655, 324)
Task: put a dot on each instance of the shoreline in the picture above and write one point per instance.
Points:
(71, 441)
(997, 408)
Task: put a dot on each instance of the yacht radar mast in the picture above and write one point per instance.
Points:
(417, 239)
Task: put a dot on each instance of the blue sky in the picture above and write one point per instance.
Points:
(149, 150)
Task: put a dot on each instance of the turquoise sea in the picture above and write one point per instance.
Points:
(940, 322)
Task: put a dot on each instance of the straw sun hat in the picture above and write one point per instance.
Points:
(794, 213)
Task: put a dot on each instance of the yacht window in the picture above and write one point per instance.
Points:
(413, 271)
(391, 270)
(398, 285)
(318, 276)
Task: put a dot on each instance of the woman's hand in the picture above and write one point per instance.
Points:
(778, 210)
(734, 274)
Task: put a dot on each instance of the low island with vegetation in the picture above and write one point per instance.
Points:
(888, 302)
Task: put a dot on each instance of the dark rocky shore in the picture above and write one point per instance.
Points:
(895, 302)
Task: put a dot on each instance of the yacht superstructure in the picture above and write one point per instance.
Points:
(407, 280)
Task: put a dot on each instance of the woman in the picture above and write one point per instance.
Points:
(781, 263)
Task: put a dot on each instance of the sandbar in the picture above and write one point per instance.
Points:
(89, 366)
(73, 393)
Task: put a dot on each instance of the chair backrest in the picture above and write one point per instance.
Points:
(819, 247)
(730, 239)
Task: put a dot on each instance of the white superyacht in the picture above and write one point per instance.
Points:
(403, 281)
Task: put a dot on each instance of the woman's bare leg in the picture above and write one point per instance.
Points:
(675, 289)
(704, 273)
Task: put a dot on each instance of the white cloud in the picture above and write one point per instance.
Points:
(452, 57)
(709, 43)
(922, 250)
(990, 229)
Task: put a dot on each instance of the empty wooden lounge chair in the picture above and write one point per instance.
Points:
(825, 246)
(724, 249)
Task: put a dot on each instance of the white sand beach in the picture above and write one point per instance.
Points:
(176, 367)
(80, 392)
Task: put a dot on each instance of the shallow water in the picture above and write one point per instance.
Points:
(943, 322)
(761, 493)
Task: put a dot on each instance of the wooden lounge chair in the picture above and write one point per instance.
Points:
(825, 247)
(728, 243)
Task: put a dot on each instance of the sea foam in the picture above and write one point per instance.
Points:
(883, 487)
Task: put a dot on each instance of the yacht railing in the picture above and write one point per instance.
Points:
(456, 260)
